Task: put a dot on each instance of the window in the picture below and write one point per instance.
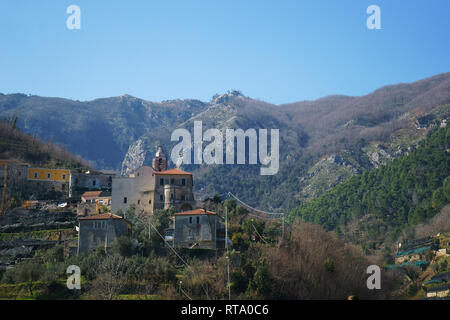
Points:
(172, 181)
(150, 201)
(198, 220)
(171, 196)
(161, 197)
(64, 177)
(99, 224)
(94, 182)
(183, 182)
(183, 197)
(35, 175)
(190, 220)
(125, 200)
(48, 175)
(139, 201)
(161, 182)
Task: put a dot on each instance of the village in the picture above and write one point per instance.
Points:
(101, 201)
(84, 211)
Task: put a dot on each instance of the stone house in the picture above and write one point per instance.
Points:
(94, 202)
(43, 182)
(48, 183)
(101, 197)
(13, 176)
(195, 229)
(100, 231)
(90, 181)
(151, 188)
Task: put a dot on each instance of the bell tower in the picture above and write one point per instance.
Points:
(160, 160)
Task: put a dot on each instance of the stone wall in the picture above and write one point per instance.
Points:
(92, 233)
(187, 232)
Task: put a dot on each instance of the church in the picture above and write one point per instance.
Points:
(153, 187)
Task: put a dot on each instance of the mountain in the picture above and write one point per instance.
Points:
(322, 142)
(381, 202)
(16, 145)
(101, 130)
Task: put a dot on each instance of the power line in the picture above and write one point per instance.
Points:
(276, 215)
(176, 253)
(254, 209)
(261, 237)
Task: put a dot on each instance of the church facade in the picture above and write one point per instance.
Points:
(153, 187)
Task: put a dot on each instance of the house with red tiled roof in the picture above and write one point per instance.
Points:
(101, 197)
(93, 202)
(153, 187)
(196, 229)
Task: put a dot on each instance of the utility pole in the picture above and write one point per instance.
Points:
(228, 257)
(107, 231)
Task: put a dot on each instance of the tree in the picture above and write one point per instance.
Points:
(28, 272)
(216, 199)
(123, 246)
(14, 122)
(111, 278)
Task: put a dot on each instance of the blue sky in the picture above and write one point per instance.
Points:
(277, 51)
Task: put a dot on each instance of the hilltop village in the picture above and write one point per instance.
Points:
(103, 199)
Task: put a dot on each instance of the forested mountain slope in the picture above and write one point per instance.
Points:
(381, 202)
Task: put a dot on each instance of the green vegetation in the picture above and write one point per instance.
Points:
(38, 234)
(403, 193)
(308, 264)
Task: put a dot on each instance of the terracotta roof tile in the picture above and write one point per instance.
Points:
(102, 216)
(95, 194)
(173, 171)
(91, 194)
(193, 212)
